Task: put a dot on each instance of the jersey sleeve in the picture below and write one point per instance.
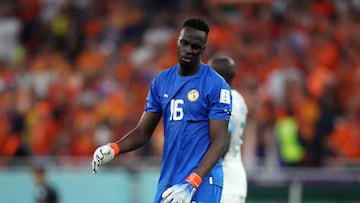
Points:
(220, 101)
(153, 99)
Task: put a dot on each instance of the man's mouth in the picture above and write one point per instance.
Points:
(186, 58)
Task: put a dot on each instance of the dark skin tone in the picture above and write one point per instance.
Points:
(226, 67)
(191, 45)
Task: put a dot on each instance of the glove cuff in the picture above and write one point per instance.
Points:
(194, 179)
(115, 147)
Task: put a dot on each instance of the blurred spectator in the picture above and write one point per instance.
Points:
(44, 192)
(73, 74)
(10, 27)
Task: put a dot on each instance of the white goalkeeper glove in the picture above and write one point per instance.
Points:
(103, 155)
(182, 193)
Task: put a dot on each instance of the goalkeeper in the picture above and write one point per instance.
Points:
(195, 103)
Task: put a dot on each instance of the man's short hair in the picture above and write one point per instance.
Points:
(197, 24)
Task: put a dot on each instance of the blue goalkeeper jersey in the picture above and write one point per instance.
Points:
(187, 104)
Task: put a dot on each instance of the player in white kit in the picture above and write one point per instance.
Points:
(235, 181)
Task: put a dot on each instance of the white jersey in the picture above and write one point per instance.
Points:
(235, 182)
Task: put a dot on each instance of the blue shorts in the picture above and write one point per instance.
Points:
(206, 193)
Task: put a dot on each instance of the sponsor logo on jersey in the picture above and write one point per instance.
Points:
(225, 96)
(193, 95)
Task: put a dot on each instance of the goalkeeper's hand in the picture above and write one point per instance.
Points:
(103, 155)
(182, 193)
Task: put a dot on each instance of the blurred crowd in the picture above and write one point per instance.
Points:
(75, 74)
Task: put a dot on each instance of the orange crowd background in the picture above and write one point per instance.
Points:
(75, 74)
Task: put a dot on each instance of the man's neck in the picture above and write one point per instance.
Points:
(188, 71)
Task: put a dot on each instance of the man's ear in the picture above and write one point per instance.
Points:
(203, 49)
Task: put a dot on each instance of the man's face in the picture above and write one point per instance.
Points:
(191, 44)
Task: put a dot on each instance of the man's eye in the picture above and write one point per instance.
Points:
(193, 46)
(196, 47)
(184, 43)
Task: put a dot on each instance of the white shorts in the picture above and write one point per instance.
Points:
(235, 181)
(232, 199)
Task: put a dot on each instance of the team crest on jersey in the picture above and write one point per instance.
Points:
(193, 95)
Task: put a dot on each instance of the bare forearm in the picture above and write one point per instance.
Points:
(219, 140)
(211, 157)
(133, 140)
(141, 134)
